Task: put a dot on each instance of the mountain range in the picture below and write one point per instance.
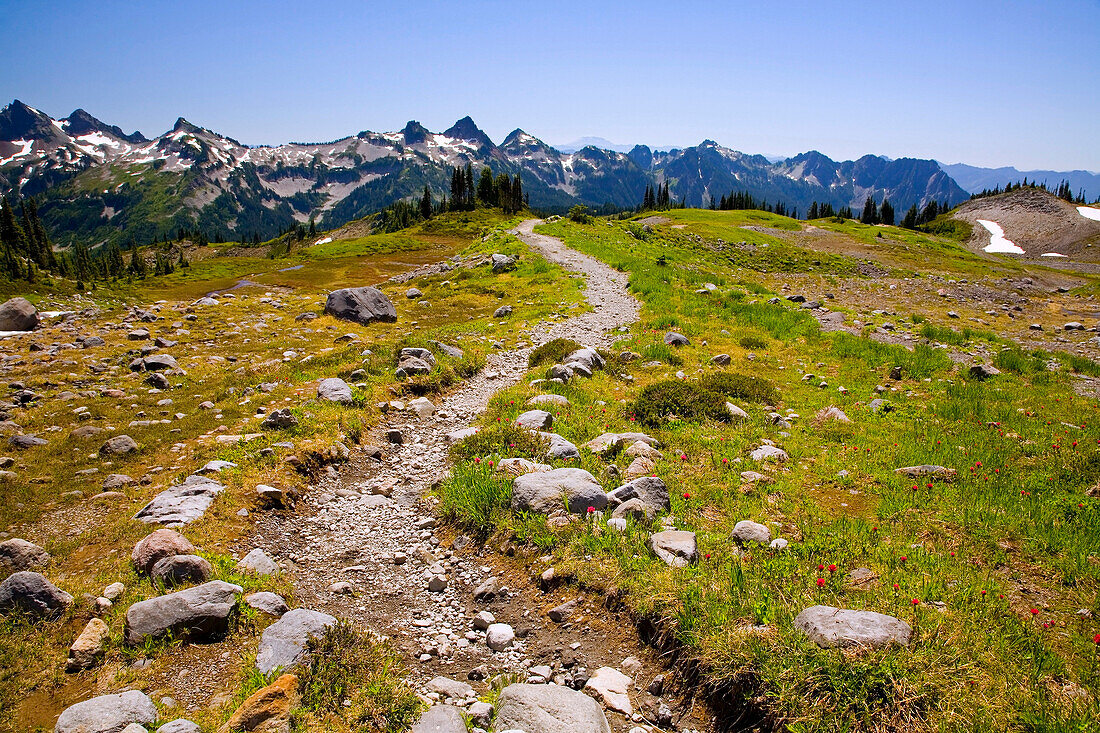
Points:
(975, 179)
(96, 183)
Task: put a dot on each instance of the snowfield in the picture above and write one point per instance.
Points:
(997, 241)
(1089, 212)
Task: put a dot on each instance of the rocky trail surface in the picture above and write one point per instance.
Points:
(365, 546)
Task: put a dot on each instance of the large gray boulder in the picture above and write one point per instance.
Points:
(33, 594)
(361, 305)
(503, 263)
(544, 491)
(588, 359)
(334, 389)
(179, 725)
(156, 546)
(675, 547)
(108, 713)
(560, 448)
(548, 709)
(178, 505)
(535, 420)
(179, 569)
(197, 613)
(18, 554)
(835, 627)
(440, 719)
(18, 314)
(283, 644)
(649, 489)
(749, 531)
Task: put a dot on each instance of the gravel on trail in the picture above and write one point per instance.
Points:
(370, 523)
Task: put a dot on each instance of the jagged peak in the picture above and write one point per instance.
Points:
(80, 122)
(466, 129)
(19, 121)
(183, 125)
(414, 132)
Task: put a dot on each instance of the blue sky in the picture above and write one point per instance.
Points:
(986, 83)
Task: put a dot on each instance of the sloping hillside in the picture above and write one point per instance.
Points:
(1036, 221)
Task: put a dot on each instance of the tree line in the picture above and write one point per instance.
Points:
(1063, 191)
(744, 201)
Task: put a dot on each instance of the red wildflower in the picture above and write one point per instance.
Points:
(916, 601)
(1035, 612)
(591, 509)
(687, 495)
(832, 568)
(820, 582)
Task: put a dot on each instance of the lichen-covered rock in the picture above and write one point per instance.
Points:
(835, 627)
(32, 593)
(548, 709)
(201, 612)
(18, 314)
(361, 305)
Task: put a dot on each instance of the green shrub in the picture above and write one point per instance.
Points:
(473, 496)
(741, 386)
(662, 352)
(686, 400)
(552, 352)
(504, 437)
(753, 343)
(347, 665)
(1018, 361)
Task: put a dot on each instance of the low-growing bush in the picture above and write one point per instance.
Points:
(355, 677)
(686, 400)
(503, 438)
(741, 386)
(753, 343)
(552, 352)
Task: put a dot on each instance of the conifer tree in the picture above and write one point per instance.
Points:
(870, 211)
(486, 190)
(813, 211)
(886, 212)
(469, 178)
(517, 193)
(426, 203)
(137, 263)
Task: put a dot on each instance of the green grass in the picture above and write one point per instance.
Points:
(1017, 529)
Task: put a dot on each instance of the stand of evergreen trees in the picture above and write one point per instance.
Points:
(501, 191)
(25, 250)
(1063, 191)
(743, 201)
(659, 200)
(874, 214)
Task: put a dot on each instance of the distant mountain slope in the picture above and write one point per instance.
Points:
(975, 179)
(1037, 221)
(95, 183)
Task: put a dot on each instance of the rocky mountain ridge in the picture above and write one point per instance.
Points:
(96, 183)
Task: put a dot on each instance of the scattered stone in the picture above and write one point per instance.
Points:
(483, 620)
(362, 305)
(610, 685)
(116, 481)
(535, 420)
(520, 466)
(440, 719)
(266, 709)
(649, 489)
(983, 371)
(560, 613)
(499, 636)
(720, 359)
(33, 594)
(179, 725)
(502, 312)
(503, 263)
(675, 547)
(941, 473)
(283, 644)
(120, 445)
(156, 546)
(543, 491)
(334, 389)
(413, 293)
(198, 613)
(748, 531)
(450, 688)
(179, 505)
(832, 413)
(258, 562)
(87, 651)
(676, 339)
(548, 709)
(834, 627)
(769, 453)
(279, 420)
(179, 569)
(18, 314)
(267, 602)
(549, 399)
(23, 442)
(108, 713)
(18, 554)
(422, 406)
